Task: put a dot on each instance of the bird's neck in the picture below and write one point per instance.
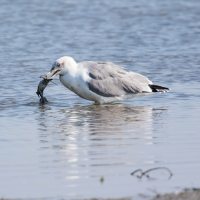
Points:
(73, 69)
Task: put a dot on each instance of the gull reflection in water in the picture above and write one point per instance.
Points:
(99, 120)
(96, 135)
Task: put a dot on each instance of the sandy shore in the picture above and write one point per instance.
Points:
(188, 194)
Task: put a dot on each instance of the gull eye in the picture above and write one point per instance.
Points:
(58, 64)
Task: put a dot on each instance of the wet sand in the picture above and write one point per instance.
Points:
(187, 194)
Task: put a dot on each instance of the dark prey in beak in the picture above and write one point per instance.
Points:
(42, 85)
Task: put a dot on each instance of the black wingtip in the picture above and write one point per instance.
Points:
(157, 88)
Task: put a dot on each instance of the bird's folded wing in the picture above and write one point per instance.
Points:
(113, 87)
(110, 80)
(103, 70)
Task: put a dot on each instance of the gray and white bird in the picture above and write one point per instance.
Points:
(101, 82)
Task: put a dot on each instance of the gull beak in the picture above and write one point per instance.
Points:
(52, 74)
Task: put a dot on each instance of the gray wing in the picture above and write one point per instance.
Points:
(103, 70)
(110, 80)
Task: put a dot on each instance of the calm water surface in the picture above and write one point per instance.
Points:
(62, 149)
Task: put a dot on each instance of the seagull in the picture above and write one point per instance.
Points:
(101, 82)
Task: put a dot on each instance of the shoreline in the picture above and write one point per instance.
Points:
(186, 194)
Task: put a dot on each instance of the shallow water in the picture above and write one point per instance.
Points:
(63, 149)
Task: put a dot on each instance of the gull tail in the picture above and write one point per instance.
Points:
(157, 88)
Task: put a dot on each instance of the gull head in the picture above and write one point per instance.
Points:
(62, 66)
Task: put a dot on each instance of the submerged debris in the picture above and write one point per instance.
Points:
(101, 179)
(145, 173)
(41, 86)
